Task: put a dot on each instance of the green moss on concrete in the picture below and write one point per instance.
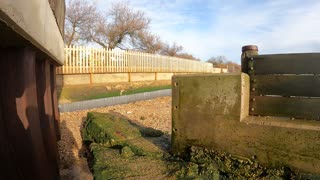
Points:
(108, 129)
(122, 149)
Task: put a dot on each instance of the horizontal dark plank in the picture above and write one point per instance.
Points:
(286, 85)
(302, 108)
(306, 63)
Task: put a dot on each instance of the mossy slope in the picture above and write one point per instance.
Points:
(121, 149)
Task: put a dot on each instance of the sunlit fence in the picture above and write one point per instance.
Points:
(80, 59)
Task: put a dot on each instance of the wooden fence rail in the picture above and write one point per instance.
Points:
(80, 59)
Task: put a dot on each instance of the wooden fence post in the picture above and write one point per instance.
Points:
(247, 51)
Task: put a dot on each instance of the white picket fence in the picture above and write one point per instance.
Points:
(80, 59)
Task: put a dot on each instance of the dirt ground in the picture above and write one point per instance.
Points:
(155, 113)
(73, 93)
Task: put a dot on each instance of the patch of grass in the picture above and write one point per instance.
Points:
(117, 93)
(146, 89)
(74, 93)
(128, 92)
(102, 95)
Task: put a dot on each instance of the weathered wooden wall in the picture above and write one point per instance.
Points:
(28, 115)
(285, 85)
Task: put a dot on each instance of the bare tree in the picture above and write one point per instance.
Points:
(79, 14)
(187, 56)
(171, 50)
(147, 42)
(217, 61)
(119, 26)
(222, 62)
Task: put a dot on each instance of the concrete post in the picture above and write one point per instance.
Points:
(247, 51)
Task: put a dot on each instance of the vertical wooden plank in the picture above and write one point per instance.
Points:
(93, 60)
(100, 60)
(103, 60)
(121, 61)
(56, 114)
(153, 59)
(143, 61)
(66, 51)
(97, 60)
(112, 60)
(142, 65)
(44, 97)
(126, 61)
(73, 59)
(21, 136)
(80, 59)
(77, 59)
(108, 60)
(118, 61)
(135, 61)
(138, 61)
(86, 60)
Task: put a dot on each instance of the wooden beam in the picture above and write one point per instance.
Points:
(46, 113)
(55, 101)
(293, 107)
(286, 85)
(306, 63)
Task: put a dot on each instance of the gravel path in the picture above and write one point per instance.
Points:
(155, 113)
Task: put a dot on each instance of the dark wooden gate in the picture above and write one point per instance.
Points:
(284, 85)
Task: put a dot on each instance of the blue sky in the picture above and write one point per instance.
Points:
(208, 28)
